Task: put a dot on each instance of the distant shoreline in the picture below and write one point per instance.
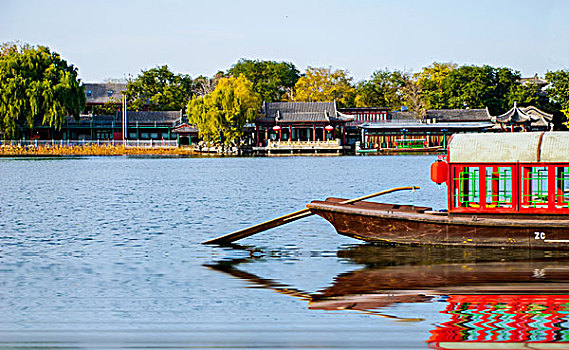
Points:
(90, 150)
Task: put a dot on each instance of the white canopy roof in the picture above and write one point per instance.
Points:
(522, 147)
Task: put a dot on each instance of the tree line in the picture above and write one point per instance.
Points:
(38, 86)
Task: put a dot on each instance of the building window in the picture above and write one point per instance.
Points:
(89, 93)
(534, 187)
(562, 187)
(499, 187)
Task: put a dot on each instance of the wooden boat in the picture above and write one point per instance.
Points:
(503, 190)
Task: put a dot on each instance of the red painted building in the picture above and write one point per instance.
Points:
(298, 122)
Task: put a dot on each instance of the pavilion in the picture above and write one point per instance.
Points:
(290, 126)
(524, 119)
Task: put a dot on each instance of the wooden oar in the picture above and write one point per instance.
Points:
(285, 219)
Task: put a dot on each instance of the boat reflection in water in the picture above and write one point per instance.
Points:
(514, 299)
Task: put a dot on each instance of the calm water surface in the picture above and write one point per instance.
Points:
(105, 253)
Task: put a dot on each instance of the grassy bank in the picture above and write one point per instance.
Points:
(88, 150)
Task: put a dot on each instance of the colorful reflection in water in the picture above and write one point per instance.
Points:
(491, 299)
(512, 321)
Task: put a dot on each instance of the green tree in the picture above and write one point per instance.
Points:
(222, 115)
(383, 89)
(527, 94)
(325, 85)
(430, 81)
(108, 108)
(274, 81)
(480, 87)
(37, 86)
(558, 91)
(158, 89)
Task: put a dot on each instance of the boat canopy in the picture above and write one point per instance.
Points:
(522, 147)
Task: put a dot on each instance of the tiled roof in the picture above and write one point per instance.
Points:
(100, 93)
(535, 80)
(186, 129)
(539, 117)
(458, 115)
(515, 116)
(151, 117)
(301, 112)
(403, 117)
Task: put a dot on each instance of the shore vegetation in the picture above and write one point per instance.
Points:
(89, 150)
(37, 86)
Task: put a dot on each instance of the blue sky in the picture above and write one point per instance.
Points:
(115, 39)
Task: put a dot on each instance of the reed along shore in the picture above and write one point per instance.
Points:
(89, 150)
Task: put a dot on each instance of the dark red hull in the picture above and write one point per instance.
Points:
(400, 224)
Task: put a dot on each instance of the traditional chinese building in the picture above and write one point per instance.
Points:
(366, 115)
(403, 132)
(187, 134)
(457, 115)
(300, 126)
(140, 126)
(524, 119)
(97, 94)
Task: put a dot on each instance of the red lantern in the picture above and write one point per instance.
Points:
(439, 171)
(276, 128)
(329, 128)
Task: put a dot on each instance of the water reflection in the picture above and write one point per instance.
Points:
(517, 298)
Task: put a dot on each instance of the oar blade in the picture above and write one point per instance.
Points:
(249, 231)
(285, 219)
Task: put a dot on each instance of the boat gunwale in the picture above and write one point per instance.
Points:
(470, 220)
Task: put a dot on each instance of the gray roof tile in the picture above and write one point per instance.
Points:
(97, 93)
(458, 115)
(301, 112)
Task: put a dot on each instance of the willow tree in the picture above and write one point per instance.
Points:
(37, 87)
(221, 115)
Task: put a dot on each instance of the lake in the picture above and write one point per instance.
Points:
(105, 253)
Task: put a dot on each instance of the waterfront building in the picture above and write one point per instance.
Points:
(366, 115)
(404, 132)
(145, 125)
(300, 126)
(457, 115)
(141, 125)
(524, 119)
(186, 134)
(99, 94)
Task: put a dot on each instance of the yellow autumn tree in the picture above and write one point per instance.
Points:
(430, 81)
(325, 85)
(221, 115)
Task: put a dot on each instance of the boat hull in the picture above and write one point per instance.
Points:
(389, 223)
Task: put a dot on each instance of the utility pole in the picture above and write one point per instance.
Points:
(124, 124)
